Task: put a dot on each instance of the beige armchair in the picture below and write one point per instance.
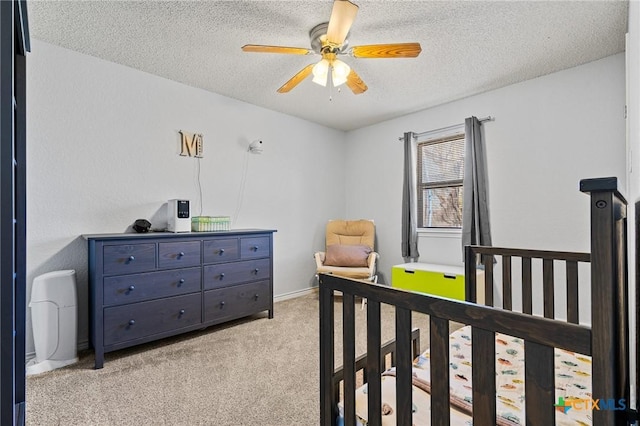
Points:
(349, 250)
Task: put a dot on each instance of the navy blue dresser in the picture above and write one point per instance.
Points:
(144, 287)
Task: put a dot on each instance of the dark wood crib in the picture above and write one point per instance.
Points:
(605, 341)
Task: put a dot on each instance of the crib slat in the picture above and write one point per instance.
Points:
(506, 283)
(349, 357)
(572, 292)
(488, 280)
(328, 399)
(539, 384)
(547, 288)
(415, 343)
(403, 367)
(470, 275)
(374, 361)
(527, 299)
(483, 355)
(439, 348)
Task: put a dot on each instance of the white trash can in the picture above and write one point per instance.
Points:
(54, 320)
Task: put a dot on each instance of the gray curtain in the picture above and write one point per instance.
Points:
(409, 207)
(475, 209)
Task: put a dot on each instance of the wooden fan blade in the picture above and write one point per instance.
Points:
(276, 49)
(342, 17)
(355, 83)
(296, 79)
(395, 50)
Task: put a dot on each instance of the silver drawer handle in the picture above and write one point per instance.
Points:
(221, 252)
(132, 258)
(181, 254)
(181, 281)
(181, 312)
(222, 304)
(256, 297)
(254, 248)
(221, 275)
(131, 322)
(132, 287)
(256, 271)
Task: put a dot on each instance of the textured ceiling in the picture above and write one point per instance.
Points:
(468, 47)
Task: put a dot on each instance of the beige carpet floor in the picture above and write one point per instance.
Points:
(253, 371)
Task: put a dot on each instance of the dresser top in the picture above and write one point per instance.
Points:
(130, 235)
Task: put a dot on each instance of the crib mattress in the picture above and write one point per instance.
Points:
(572, 381)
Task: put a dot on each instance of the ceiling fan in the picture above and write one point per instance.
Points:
(329, 39)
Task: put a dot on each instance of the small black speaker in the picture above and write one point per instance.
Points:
(141, 225)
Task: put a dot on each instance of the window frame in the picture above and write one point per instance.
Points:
(457, 133)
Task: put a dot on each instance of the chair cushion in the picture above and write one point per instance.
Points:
(347, 255)
(350, 232)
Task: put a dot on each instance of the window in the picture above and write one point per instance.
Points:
(440, 176)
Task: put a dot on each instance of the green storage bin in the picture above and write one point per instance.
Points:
(438, 280)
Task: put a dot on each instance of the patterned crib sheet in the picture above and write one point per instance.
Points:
(572, 381)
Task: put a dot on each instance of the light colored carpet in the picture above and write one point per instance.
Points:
(253, 371)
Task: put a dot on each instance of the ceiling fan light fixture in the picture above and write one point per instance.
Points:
(340, 72)
(329, 39)
(321, 72)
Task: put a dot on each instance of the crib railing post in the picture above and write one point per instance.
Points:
(470, 274)
(609, 319)
(327, 403)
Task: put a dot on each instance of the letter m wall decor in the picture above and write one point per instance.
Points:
(190, 144)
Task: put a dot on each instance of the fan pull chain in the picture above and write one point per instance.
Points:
(331, 85)
(330, 78)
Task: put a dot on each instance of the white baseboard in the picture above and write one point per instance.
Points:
(294, 294)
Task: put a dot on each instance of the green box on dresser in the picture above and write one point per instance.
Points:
(144, 287)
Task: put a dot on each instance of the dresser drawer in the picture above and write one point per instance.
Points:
(129, 258)
(235, 302)
(179, 255)
(220, 250)
(129, 322)
(233, 273)
(123, 289)
(254, 247)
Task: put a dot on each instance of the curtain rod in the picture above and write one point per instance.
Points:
(442, 129)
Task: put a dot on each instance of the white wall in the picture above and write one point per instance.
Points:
(103, 151)
(633, 101)
(548, 134)
(633, 156)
